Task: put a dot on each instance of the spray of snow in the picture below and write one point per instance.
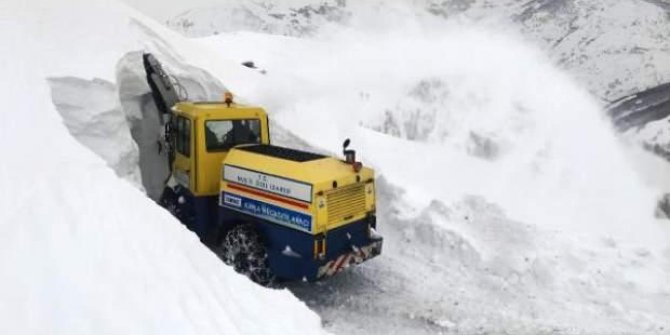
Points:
(93, 116)
(471, 112)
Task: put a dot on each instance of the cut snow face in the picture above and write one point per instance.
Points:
(146, 125)
(120, 122)
(145, 122)
(92, 114)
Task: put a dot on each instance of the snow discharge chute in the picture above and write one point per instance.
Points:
(162, 89)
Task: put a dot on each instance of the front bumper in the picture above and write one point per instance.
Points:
(357, 256)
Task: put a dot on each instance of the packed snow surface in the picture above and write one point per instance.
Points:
(84, 251)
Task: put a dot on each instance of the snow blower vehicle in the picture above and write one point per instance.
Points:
(273, 213)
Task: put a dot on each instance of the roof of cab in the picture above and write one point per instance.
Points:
(218, 109)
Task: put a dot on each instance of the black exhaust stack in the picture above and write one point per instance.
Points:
(162, 90)
(350, 156)
(165, 96)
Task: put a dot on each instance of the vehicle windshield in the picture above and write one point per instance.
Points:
(221, 135)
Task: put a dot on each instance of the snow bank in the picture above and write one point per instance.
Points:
(83, 251)
(90, 110)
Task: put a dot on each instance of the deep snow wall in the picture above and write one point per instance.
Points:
(120, 122)
(145, 122)
(92, 114)
(82, 251)
(146, 125)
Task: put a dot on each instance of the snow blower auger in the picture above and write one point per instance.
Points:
(270, 212)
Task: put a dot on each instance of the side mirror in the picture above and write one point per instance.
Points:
(346, 143)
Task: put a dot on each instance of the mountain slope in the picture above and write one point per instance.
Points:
(614, 49)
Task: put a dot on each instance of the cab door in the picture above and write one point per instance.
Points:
(217, 136)
(184, 171)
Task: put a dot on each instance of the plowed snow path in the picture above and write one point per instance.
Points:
(437, 275)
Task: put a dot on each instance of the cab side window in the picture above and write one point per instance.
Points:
(183, 138)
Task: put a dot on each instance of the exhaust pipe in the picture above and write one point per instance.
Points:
(350, 156)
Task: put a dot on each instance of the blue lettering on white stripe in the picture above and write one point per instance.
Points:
(268, 212)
